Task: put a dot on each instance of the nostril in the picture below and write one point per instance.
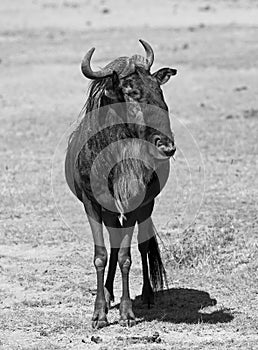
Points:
(157, 141)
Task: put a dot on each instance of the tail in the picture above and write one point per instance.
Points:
(158, 274)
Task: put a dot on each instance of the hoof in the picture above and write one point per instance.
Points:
(99, 318)
(99, 324)
(127, 322)
(127, 317)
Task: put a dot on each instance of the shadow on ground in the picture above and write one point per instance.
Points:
(181, 306)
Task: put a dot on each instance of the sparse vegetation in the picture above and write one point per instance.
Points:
(47, 278)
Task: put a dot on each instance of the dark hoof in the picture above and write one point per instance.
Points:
(127, 322)
(99, 318)
(127, 317)
(99, 324)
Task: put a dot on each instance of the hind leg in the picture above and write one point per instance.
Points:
(143, 246)
(145, 232)
(109, 285)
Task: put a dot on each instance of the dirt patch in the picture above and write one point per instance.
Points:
(48, 282)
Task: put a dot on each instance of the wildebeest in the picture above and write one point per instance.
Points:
(117, 162)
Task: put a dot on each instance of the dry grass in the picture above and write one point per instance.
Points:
(47, 281)
(217, 245)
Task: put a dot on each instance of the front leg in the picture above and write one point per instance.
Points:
(120, 241)
(124, 260)
(99, 318)
(126, 313)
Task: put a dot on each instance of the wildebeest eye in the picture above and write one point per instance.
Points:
(134, 93)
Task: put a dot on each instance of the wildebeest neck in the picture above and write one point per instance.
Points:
(115, 159)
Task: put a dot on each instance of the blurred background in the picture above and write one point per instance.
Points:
(207, 214)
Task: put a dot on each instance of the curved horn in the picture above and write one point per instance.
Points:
(149, 52)
(86, 68)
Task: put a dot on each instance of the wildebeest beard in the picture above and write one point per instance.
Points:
(115, 159)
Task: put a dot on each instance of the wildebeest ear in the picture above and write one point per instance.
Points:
(164, 74)
(113, 86)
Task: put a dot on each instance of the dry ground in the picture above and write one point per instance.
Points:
(47, 282)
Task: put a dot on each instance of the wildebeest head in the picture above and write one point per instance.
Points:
(129, 81)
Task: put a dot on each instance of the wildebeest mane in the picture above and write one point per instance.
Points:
(93, 102)
(95, 93)
(130, 175)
